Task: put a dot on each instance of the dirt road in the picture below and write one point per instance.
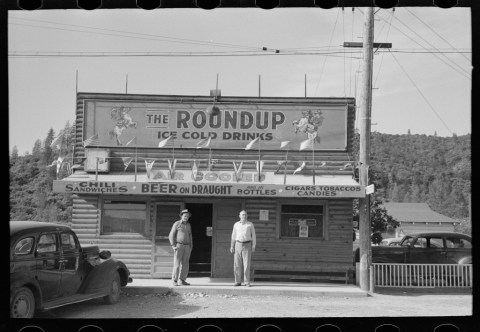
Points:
(201, 305)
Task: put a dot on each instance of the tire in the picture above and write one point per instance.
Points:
(22, 303)
(114, 295)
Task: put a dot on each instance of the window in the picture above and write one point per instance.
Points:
(124, 217)
(24, 246)
(68, 241)
(47, 243)
(453, 242)
(304, 221)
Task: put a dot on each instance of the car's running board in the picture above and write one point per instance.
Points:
(71, 299)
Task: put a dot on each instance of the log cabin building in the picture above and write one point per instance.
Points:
(286, 161)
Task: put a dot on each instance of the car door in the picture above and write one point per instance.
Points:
(48, 262)
(426, 250)
(72, 274)
(458, 248)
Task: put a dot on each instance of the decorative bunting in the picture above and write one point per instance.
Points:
(195, 169)
(130, 141)
(302, 166)
(259, 167)
(280, 163)
(92, 141)
(253, 144)
(322, 164)
(149, 166)
(126, 162)
(284, 144)
(238, 169)
(59, 163)
(307, 144)
(165, 141)
(346, 166)
(58, 139)
(204, 143)
(171, 166)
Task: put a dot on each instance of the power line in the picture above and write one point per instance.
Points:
(431, 29)
(460, 72)
(423, 96)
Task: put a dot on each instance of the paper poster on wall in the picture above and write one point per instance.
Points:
(263, 215)
(303, 232)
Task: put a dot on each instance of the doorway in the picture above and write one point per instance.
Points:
(201, 221)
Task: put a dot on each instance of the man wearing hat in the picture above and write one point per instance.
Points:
(181, 241)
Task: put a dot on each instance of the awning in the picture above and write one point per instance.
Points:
(213, 183)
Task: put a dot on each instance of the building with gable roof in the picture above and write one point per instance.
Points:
(417, 217)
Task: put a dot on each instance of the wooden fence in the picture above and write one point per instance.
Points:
(421, 275)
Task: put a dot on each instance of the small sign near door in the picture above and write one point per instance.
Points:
(209, 231)
(263, 215)
(303, 232)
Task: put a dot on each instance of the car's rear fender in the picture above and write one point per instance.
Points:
(31, 284)
(465, 260)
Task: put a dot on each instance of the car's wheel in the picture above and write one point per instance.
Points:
(22, 304)
(114, 295)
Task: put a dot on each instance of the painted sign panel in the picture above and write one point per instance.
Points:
(303, 231)
(118, 122)
(302, 222)
(202, 189)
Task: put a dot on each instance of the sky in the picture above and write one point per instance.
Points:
(422, 84)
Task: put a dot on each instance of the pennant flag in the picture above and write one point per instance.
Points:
(307, 144)
(322, 164)
(259, 165)
(238, 169)
(149, 166)
(171, 166)
(302, 166)
(284, 144)
(102, 160)
(280, 163)
(58, 139)
(195, 170)
(130, 141)
(126, 162)
(91, 141)
(345, 166)
(204, 143)
(59, 163)
(69, 169)
(253, 144)
(164, 142)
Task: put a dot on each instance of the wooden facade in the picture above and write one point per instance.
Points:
(148, 253)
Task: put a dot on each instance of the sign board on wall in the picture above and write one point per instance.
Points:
(118, 122)
(263, 215)
(202, 189)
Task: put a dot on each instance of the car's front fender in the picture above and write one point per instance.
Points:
(100, 277)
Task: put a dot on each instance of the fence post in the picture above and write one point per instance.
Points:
(372, 278)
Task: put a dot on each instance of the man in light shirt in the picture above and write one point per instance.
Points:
(243, 244)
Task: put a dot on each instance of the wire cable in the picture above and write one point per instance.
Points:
(325, 60)
(431, 29)
(423, 96)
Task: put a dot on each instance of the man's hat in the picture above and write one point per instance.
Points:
(185, 211)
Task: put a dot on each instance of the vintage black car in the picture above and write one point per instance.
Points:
(425, 248)
(49, 269)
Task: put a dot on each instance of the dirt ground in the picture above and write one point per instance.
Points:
(201, 305)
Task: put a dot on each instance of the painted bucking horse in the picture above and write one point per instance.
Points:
(309, 124)
(122, 120)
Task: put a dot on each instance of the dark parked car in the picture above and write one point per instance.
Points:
(49, 269)
(425, 248)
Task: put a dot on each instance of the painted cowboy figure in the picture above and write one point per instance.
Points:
(181, 241)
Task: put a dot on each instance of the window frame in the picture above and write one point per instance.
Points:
(124, 200)
(324, 221)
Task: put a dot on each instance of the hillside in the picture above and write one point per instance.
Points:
(406, 168)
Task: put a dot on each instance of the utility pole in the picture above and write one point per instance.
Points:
(365, 112)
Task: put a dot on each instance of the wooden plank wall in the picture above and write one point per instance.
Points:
(331, 254)
(134, 250)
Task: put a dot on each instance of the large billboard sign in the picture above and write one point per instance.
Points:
(236, 125)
